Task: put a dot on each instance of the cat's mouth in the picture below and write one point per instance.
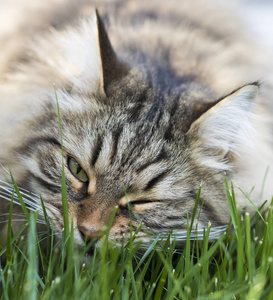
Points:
(87, 234)
(90, 238)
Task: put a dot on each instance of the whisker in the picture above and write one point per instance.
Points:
(6, 171)
(49, 236)
(32, 200)
(10, 191)
(34, 209)
(52, 210)
(11, 186)
(17, 215)
(7, 194)
(13, 214)
(23, 220)
(13, 220)
(42, 232)
(41, 238)
(181, 235)
(57, 244)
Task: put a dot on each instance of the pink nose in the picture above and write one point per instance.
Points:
(88, 234)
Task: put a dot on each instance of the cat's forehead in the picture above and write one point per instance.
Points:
(113, 137)
(135, 123)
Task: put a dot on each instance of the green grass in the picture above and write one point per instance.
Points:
(239, 265)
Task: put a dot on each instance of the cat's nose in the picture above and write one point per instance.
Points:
(88, 234)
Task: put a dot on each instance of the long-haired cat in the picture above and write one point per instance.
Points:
(156, 99)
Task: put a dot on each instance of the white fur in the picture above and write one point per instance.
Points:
(81, 61)
(71, 56)
(104, 160)
(75, 103)
(227, 126)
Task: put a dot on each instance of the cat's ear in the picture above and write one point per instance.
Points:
(225, 129)
(112, 69)
(91, 61)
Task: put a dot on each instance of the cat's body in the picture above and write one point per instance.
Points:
(144, 118)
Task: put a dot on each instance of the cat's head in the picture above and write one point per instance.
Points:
(132, 145)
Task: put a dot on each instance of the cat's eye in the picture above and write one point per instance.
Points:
(76, 169)
(141, 202)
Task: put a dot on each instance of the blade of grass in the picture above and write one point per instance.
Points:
(14, 238)
(205, 266)
(256, 209)
(147, 252)
(249, 248)
(30, 287)
(64, 191)
(49, 241)
(195, 207)
(232, 207)
(9, 233)
(240, 240)
(185, 279)
(22, 203)
(188, 248)
(263, 182)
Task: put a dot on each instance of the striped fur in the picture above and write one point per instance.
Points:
(169, 107)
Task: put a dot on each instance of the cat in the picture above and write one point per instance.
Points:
(156, 99)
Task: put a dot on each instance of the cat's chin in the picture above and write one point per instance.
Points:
(90, 248)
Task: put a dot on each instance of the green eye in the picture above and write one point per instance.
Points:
(76, 169)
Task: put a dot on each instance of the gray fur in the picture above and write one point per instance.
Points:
(168, 108)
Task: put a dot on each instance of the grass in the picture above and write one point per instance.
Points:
(239, 265)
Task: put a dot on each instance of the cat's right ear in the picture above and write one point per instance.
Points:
(91, 63)
(225, 130)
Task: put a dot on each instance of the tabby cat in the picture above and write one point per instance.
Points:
(156, 99)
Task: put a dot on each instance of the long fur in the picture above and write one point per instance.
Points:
(154, 98)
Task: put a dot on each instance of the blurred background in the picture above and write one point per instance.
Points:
(257, 15)
(21, 19)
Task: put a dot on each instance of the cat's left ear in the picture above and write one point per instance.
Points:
(225, 129)
(91, 61)
(111, 68)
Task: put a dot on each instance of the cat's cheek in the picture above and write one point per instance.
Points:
(72, 212)
(141, 208)
(121, 228)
